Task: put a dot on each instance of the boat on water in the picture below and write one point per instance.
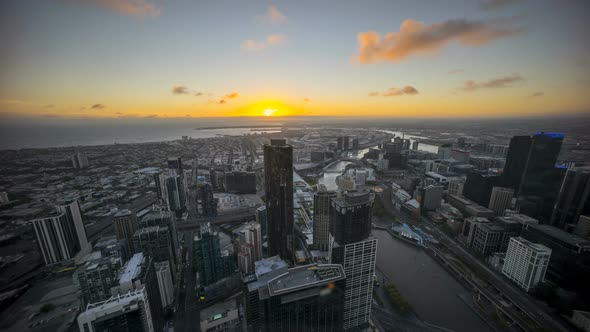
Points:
(405, 233)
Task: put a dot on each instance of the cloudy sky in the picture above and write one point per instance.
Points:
(398, 58)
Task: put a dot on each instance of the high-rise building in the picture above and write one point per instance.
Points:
(208, 260)
(526, 262)
(501, 200)
(516, 161)
(302, 298)
(79, 160)
(139, 274)
(350, 216)
(174, 166)
(72, 211)
(129, 312)
(262, 220)
(176, 194)
(432, 197)
(478, 186)
(573, 199)
(154, 241)
(455, 187)
(57, 237)
(238, 182)
(355, 143)
(165, 283)
(444, 151)
(250, 246)
(540, 183)
(213, 178)
(95, 278)
(358, 260)
(382, 163)
(321, 217)
(350, 225)
(158, 217)
(110, 246)
(278, 176)
(125, 224)
(346, 142)
(207, 204)
(340, 143)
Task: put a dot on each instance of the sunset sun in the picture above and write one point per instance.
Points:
(269, 112)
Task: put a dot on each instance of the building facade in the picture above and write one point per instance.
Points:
(501, 200)
(321, 218)
(526, 263)
(57, 238)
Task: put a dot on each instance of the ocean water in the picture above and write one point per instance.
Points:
(18, 136)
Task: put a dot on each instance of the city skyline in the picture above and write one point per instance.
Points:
(156, 59)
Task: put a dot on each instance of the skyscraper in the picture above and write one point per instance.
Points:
(207, 204)
(350, 216)
(526, 262)
(516, 161)
(72, 211)
(154, 241)
(160, 217)
(278, 176)
(165, 283)
(501, 200)
(350, 224)
(79, 160)
(573, 199)
(208, 260)
(125, 223)
(261, 219)
(57, 237)
(478, 186)
(321, 217)
(302, 298)
(249, 243)
(96, 278)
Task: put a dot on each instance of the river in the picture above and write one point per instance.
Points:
(330, 174)
(429, 288)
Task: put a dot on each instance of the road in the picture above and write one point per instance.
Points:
(187, 310)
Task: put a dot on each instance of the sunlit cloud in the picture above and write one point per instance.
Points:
(98, 107)
(495, 83)
(49, 106)
(393, 92)
(138, 8)
(307, 100)
(537, 94)
(417, 38)
(271, 40)
(494, 4)
(232, 95)
(179, 90)
(273, 16)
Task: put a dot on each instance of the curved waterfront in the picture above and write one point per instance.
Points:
(431, 291)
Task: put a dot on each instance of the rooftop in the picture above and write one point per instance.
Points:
(562, 235)
(305, 276)
(132, 269)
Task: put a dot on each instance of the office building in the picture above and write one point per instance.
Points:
(355, 143)
(110, 246)
(570, 263)
(72, 211)
(165, 283)
(154, 241)
(125, 225)
(128, 312)
(346, 142)
(175, 196)
(80, 160)
(261, 219)
(432, 197)
(95, 278)
(207, 204)
(278, 179)
(358, 260)
(208, 261)
(350, 216)
(382, 163)
(249, 241)
(516, 161)
(321, 217)
(444, 151)
(486, 238)
(160, 217)
(583, 227)
(57, 238)
(455, 187)
(302, 298)
(573, 199)
(501, 200)
(222, 316)
(478, 186)
(139, 274)
(340, 143)
(526, 262)
(174, 166)
(240, 182)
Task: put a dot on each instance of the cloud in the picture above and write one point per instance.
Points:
(537, 94)
(51, 115)
(306, 100)
(151, 116)
(200, 94)
(97, 106)
(49, 106)
(417, 38)
(273, 16)
(179, 90)
(231, 95)
(271, 40)
(456, 71)
(138, 8)
(495, 83)
(392, 92)
(494, 4)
